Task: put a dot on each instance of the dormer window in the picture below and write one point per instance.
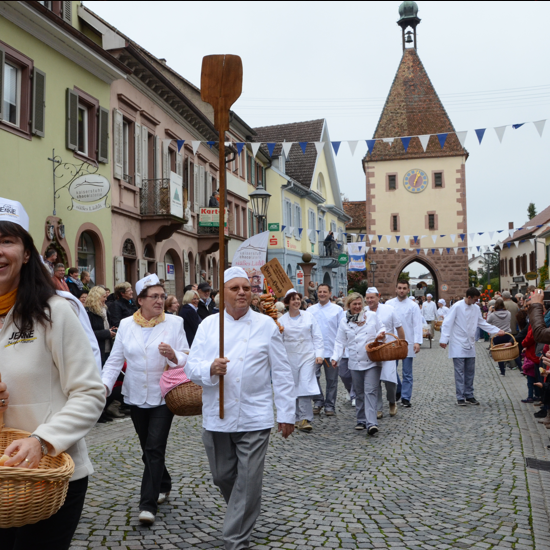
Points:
(282, 162)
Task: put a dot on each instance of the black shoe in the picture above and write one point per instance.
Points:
(541, 414)
(373, 430)
(397, 397)
(472, 401)
(361, 426)
(461, 402)
(406, 403)
(503, 373)
(103, 419)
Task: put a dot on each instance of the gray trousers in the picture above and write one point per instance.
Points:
(391, 393)
(331, 376)
(304, 409)
(345, 376)
(237, 466)
(366, 384)
(465, 370)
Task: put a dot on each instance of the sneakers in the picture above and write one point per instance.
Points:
(162, 497)
(304, 426)
(379, 414)
(373, 430)
(316, 410)
(361, 426)
(406, 403)
(146, 518)
(393, 409)
(329, 413)
(461, 402)
(472, 401)
(528, 400)
(541, 414)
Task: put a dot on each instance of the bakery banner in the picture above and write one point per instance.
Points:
(356, 253)
(251, 256)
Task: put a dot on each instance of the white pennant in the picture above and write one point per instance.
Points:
(286, 147)
(166, 144)
(539, 125)
(406, 238)
(511, 232)
(388, 238)
(388, 140)
(319, 146)
(196, 145)
(472, 237)
(500, 132)
(424, 140)
(434, 238)
(397, 250)
(290, 229)
(425, 251)
(453, 237)
(440, 250)
(255, 147)
(352, 146)
(456, 250)
(367, 248)
(423, 237)
(516, 243)
(372, 237)
(461, 137)
(491, 233)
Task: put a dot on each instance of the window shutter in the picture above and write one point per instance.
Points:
(161, 270)
(118, 144)
(202, 185)
(137, 154)
(253, 170)
(67, 12)
(119, 270)
(38, 101)
(165, 161)
(72, 120)
(196, 188)
(144, 154)
(103, 136)
(2, 59)
(142, 268)
(157, 155)
(179, 165)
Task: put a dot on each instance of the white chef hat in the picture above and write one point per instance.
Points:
(291, 291)
(150, 280)
(429, 296)
(13, 211)
(372, 290)
(442, 301)
(234, 273)
(412, 298)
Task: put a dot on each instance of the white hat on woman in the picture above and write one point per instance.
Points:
(13, 211)
(150, 280)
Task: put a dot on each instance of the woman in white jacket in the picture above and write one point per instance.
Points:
(358, 329)
(304, 347)
(148, 342)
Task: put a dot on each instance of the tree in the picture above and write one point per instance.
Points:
(472, 278)
(404, 275)
(494, 266)
(531, 210)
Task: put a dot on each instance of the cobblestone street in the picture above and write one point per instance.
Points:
(436, 476)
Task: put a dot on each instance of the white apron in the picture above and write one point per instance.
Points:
(298, 339)
(389, 371)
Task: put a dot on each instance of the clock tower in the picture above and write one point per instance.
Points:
(416, 187)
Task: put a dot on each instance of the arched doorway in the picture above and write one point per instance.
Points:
(90, 252)
(422, 278)
(149, 257)
(327, 280)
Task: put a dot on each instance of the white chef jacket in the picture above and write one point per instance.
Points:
(328, 318)
(303, 343)
(429, 310)
(390, 319)
(459, 329)
(412, 320)
(354, 338)
(145, 364)
(258, 361)
(442, 312)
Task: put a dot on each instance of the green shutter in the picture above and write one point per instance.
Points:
(38, 127)
(2, 58)
(72, 120)
(103, 136)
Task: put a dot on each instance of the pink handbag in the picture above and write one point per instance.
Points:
(172, 378)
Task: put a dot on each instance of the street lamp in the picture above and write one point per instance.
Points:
(488, 256)
(373, 268)
(260, 201)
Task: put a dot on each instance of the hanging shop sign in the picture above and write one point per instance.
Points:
(276, 277)
(343, 259)
(531, 276)
(273, 227)
(519, 279)
(176, 195)
(89, 193)
(300, 277)
(170, 272)
(444, 287)
(209, 217)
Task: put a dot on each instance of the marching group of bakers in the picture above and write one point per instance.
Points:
(53, 388)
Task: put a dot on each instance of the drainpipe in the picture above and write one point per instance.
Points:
(283, 211)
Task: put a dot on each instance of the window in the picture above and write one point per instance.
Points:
(511, 267)
(82, 144)
(311, 226)
(287, 217)
(438, 179)
(86, 255)
(431, 221)
(12, 94)
(349, 238)
(395, 224)
(392, 182)
(518, 265)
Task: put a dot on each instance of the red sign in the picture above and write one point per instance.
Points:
(273, 241)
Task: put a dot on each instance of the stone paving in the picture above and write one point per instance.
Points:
(436, 476)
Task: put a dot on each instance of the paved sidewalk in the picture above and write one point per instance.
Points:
(437, 476)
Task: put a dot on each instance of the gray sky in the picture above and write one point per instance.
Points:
(305, 60)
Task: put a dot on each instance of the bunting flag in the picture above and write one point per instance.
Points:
(370, 144)
(539, 125)
(303, 145)
(479, 134)
(433, 250)
(379, 238)
(210, 143)
(516, 126)
(500, 132)
(462, 137)
(352, 146)
(336, 146)
(166, 144)
(397, 237)
(195, 145)
(388, 238)
(424, 140)
(255, 147)
(442, 139)
(286, 147)
(180, 143)
(300, 229)
(434, 238)
(270, 148)
(240, 146)
(448, 250)
(388, 140)
(405, 141)
(440, 250)
(453, 237)
(319, 147)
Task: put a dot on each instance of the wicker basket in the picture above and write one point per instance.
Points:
(502, 352)
(387, 351)
(437, 325)
(28, 496)
(185, 399)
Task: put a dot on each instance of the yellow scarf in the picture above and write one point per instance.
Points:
(144, 323)
(7, 301)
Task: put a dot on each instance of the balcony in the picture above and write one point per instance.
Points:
(157, 221)
(329, 257)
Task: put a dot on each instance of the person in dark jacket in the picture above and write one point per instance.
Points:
(329, 243)
(74, 283)
(541, 332)
(214, 201)
(124, 306)
(206, 304)
(188, 313)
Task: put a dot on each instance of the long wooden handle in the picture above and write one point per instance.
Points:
(221, 263)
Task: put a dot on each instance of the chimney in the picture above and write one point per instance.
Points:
(510, 225)
(162, 60)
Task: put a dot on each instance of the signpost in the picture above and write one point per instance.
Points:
(276, 277)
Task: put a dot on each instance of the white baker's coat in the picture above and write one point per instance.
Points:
(145, 364)
(328, 318)
(442, 312)
(303, 343)
(429, 310)
(390, 319)
(412, 320)
(355, 338)
(258, 360)
(459, 329)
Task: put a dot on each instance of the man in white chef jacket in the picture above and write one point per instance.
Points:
(390, 319)
(328, 317)
(429, 312)
(410, 316)
(442, 310)
(255, 367)
(459, 331)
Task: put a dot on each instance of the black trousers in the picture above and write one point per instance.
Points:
(152, 427)
(54, 533)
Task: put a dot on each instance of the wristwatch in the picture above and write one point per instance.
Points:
(42, 444)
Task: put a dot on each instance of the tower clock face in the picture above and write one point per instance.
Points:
(415, 180)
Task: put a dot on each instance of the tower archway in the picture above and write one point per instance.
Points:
(430, 286)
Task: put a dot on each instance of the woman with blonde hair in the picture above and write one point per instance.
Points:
(189, 314)
(171, 305)
(358, 329)
(100, 320)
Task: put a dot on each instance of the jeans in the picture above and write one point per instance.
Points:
(345, 376)
(366, 384)
(407, 384)
(54, 533)
(465, 371)
(331, 376)
(152, 427)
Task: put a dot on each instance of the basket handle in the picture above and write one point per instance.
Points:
(510, 334)
(1, 413)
